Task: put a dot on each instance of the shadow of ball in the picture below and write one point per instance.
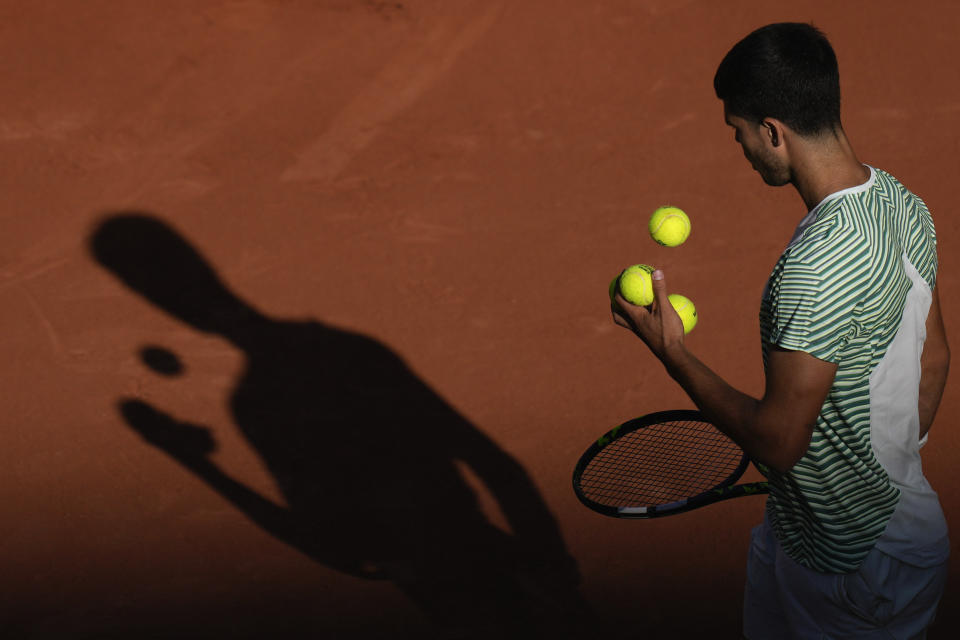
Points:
(163, 361)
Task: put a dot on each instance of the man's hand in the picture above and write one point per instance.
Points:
(658, 325)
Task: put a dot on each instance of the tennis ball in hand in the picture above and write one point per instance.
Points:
(635, 284)
(685, 309)
(669, 226)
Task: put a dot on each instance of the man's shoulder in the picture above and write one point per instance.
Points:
(889, 181)
(889, 191)
(854, 220)
(838, 229)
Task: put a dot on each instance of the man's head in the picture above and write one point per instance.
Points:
(786, 71)
(780, 80)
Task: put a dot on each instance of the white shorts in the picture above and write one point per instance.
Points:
(886, 598)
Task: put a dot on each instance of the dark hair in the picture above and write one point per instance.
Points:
(786, 71)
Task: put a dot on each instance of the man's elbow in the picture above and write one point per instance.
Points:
(784, 463)
(787, 451)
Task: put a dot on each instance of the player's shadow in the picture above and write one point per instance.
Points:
(365, 453)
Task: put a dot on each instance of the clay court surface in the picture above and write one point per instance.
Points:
(305, 316)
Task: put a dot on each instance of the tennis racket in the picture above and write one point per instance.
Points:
(662, 464)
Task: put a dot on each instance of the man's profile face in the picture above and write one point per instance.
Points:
(752, 138)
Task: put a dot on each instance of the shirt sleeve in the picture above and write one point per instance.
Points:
(817, 293)
(922, 245)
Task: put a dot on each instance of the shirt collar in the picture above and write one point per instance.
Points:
(811, 217)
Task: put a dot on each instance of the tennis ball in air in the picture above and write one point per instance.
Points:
(635, 284)
(685, 309)
(669, 226)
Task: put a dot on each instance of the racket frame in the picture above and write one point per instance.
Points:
(725, 490)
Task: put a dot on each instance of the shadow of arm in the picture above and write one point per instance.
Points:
(527, 513)
(190, 445)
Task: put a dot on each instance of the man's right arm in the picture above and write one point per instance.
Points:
(934, 365)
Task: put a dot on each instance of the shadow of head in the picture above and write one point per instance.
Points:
(155, 261)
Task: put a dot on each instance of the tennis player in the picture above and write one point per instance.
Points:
(853, 543)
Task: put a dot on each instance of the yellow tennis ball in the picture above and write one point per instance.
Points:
(636, 285)
(669, 226)
(685, 309)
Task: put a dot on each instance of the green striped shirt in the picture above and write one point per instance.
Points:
(838, 293)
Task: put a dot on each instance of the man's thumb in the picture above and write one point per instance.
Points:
(659, 288)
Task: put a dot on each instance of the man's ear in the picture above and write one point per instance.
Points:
(774, 130)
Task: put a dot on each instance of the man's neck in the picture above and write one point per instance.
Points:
(825, 166)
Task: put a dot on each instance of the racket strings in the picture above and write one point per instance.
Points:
(660, 464)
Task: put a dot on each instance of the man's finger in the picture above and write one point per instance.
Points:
(660, 289)
(620, 315)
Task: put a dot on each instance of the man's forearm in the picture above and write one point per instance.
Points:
(933, 379)
(934, 365)
(774, 430)
(767, 434)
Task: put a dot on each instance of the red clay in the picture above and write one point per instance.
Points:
(441, 190)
